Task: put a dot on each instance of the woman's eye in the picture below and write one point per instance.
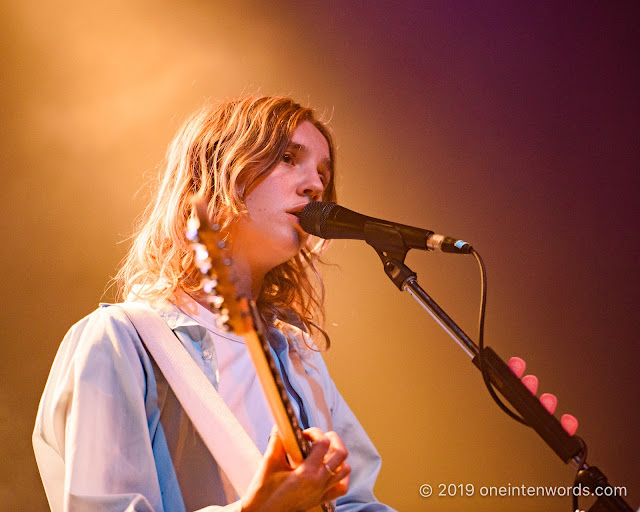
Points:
(287, 158)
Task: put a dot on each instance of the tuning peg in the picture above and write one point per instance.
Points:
(222, 324)
(531, 383)
(517, 366)
(209, 285)
(201, 252)
(215, 300)
(193, 225)
(569, 423)
(549, 402)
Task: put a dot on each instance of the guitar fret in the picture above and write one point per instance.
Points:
(303, 443)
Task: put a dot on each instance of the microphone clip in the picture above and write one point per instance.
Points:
(390, 246)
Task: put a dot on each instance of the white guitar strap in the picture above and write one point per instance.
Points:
(220, 430)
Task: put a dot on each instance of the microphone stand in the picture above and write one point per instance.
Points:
(390, 247)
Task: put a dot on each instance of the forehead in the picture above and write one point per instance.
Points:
(308, 136)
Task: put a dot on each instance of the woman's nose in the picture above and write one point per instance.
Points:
(312, 185)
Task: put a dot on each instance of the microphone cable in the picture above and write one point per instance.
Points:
(582, 459)
(483, 368)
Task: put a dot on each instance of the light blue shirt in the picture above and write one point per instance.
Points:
(110, 434)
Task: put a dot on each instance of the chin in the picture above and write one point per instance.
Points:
(290, 254)
(277, 254)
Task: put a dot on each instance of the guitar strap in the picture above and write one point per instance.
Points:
(228, 442)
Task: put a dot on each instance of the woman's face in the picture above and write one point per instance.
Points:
(270, 234)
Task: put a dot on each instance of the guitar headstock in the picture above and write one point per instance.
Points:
(212, 258)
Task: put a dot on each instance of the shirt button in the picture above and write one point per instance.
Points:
(206, 354)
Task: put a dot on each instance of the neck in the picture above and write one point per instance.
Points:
(249, 277)
(249, 268)
(247, 280)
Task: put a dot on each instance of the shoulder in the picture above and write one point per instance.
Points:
(106, 318)
(104, 343)
(107, 325)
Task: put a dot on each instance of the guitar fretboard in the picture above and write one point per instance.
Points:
(302, 441)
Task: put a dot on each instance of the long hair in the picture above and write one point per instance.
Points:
(218, 154)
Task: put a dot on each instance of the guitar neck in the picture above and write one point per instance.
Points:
(295, 444)
(240, 315)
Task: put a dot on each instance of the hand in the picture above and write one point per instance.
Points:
(277, 487)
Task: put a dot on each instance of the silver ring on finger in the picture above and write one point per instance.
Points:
(331, 473)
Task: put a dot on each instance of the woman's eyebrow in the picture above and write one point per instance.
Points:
(302, 149)
(297, 147)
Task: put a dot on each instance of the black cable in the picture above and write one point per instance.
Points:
(483, 369)
(485, 372)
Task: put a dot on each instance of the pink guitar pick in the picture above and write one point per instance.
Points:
(569, 423)
(549, 402)
(531, 383)
(517, 366)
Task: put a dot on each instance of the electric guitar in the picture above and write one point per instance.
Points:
(239, 315)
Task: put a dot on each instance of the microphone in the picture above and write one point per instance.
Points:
(329, 220)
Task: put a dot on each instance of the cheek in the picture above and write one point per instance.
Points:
(256, 201)
(258, 210)
(263, 196)
(262, 217)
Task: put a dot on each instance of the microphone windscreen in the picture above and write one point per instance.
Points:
(313, 218)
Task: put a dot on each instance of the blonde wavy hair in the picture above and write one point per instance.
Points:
(218, 154)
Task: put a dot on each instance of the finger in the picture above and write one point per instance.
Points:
(336, 442)
(319, 448)
(337, 490)
(342, 472)
(337, 452)
(275, 454)
(314, 434)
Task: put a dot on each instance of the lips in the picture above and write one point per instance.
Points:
(297, 210)
(294, 214)
(294, 217)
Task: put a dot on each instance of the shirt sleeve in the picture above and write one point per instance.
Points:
(363, 457)
(94, 429)
(93, 416)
